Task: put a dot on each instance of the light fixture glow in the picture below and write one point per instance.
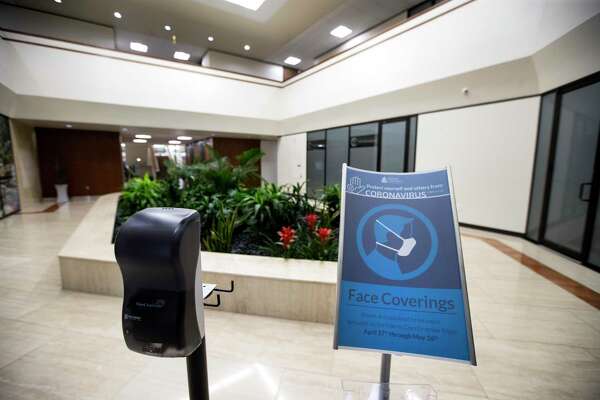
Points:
(291, 60)
(118, 15)
(174, 142)
(249, 4)
(138, 159)
(143, 136)
(140, 141)
(136, 46)
(184, 138)
(247, 47)
(123, 145)
(69, 125)
(211, 39)
(168, 28)
(181, 55)
(58, 1)
(341, 31)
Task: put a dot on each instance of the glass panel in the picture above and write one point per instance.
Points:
(594, 257)
(9, 195)
(412, 144)
(573, 167)
(540, 172)
(315, 161)
(363, 146)
(337, 154)
(393, 143)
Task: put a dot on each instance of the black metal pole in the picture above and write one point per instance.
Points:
(197, 373)
(384, 376)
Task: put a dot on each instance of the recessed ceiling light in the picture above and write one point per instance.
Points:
(291, 60)
(341, 31)
(138, 47)
(123, 145)
(249, 4)
(181, 55)
(167, 27)
(211, 39)
(174, 142)
(247, 47)
(138, 159)
(69, 125)
(140, 136)
(58, 1)
(140, 141)
(184, 137)
(118, 15)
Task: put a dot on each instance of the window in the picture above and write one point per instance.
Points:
(363, 146)
(337, 154)
(393, 146)
(378, 146)
(315, 161)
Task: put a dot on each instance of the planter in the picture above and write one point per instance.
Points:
(62, 196)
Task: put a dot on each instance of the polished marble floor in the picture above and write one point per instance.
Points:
(533, 339)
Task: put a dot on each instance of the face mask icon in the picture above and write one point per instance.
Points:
(408, 244)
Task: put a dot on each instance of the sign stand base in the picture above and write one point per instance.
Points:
(354, 390)
(384, 390)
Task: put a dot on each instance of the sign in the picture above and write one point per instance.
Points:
(401, 281)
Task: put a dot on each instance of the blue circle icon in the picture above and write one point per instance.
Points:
(397, 242)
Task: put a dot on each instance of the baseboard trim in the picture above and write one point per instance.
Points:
(493, 230)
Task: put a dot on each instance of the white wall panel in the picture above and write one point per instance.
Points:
(491, 150)
(291, 156)
(268, 163)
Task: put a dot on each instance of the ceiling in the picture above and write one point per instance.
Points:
(278, 29)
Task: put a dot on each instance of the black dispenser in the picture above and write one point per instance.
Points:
(158, 252)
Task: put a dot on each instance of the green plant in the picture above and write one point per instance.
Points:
(330, 201)
(141, 193)
(220, 236)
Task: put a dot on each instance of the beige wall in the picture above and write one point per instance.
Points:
(490, 149)
(26, 162)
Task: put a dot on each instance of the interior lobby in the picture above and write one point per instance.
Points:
(248, 111)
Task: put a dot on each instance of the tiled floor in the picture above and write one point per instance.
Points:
(533, 339)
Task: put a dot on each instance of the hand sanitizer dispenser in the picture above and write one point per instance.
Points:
(158, 252)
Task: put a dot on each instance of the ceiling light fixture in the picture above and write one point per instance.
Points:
(136, 46)
(184, 138)
(138, 159)
(168, 28)
(140, 141)
(341, 31)
(174, 142)
(141, 136)
(211, 39)
(247, 47)
(123, 145)
(58, 1)
(291, 60)
(249, 4)
(181, 55)
(69, 125)
(118, 15)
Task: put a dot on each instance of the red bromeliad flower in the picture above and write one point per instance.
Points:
(287, 235)
(323, 234)
(311, 220)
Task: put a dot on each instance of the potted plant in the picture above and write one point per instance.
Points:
(61, 184)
